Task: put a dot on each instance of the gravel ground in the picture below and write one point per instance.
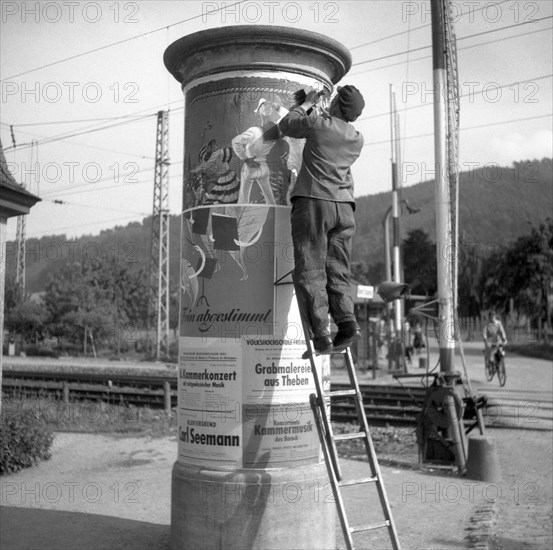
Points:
(111, 492)
(524, 507)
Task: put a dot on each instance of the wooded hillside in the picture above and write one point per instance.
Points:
(496, 205)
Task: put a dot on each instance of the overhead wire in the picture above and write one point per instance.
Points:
(204, 14)
(458, 39)
(478, 126)
(88, 146)
(94, 128)
(387, 141)
(123, 41)
(138, 117)
(96, 207)
(65, 121)
(423, 26)
(469, 94)
(458, 49)
(137, 114)
(79, 188)
(82, 132)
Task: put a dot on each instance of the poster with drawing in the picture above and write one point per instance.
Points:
(227, 284)
(241, 340)
(234, 151)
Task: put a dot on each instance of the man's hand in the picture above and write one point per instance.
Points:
(311, 99)
(299, 97)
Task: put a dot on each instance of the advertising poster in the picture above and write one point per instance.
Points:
(280, 436)
(210, 393)
(279, 429)
(234, 151)
(227, 288)
(243, 385)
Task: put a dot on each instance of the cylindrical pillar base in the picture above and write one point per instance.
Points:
(256, 508)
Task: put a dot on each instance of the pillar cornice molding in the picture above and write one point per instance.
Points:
(257, 48)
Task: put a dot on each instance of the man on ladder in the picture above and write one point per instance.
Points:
(322, 213)
(322, 230)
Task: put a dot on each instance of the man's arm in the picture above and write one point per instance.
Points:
(297, 123)
(502, 333)
(485, 335)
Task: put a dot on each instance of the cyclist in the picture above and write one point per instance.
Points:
(494, 335)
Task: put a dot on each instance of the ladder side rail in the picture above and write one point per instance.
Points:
(321, 401)
(329, 461)
(371, 453)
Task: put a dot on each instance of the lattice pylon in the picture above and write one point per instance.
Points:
(20, 266)
(453, 109)
(159, 258)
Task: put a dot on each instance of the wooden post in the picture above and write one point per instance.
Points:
(167, 397)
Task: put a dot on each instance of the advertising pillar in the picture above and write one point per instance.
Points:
(249, 472)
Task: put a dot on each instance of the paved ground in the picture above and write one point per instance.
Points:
(101, 492)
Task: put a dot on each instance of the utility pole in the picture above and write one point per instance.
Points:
(399, 344)
(159, 257)
(446, 246)
(445, 121)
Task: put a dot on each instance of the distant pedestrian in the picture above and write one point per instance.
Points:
(418, 343)
(407, 340)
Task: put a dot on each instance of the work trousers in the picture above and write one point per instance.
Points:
(322, 233)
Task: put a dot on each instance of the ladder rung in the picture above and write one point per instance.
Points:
(352, 435)
(340, 393)
(369, 527)
(359, 481)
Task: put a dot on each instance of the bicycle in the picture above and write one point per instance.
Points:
(496, 364)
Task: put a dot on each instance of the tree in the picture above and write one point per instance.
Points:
(13, 294)
(469, 280)
(524, 273)
(27, 317)
(96, 298)
(129, 292)
(419, 261)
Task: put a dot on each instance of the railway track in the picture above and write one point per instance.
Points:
(383, 403)
(121, 389)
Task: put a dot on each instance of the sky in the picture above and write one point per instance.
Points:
(81, 84)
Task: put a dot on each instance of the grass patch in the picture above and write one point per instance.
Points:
(97, 417)
(393, 445)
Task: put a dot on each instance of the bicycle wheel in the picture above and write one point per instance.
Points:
(501, 372)
(490, 370)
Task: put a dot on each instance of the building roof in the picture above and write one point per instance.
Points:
(15, 200)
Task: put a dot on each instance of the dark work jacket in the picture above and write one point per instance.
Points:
(332, 145)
